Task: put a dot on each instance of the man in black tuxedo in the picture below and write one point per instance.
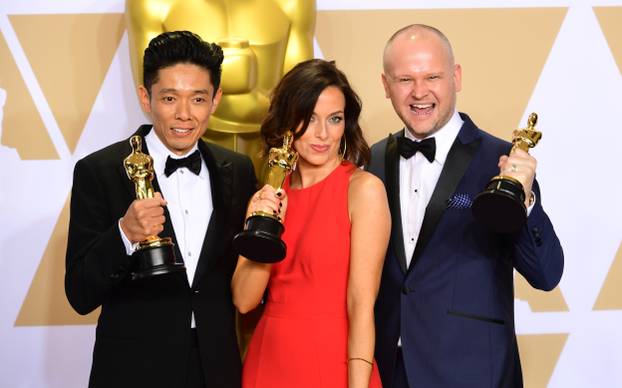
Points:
(177, 329)
(445, 309)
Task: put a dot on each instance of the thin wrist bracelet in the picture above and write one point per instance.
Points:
(360, 359)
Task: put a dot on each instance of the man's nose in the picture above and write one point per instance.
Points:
(419, 90)
(183, 111)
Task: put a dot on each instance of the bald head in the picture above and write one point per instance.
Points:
(417, 33)
(421, 78)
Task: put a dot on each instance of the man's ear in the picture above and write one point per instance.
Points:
(458, 77)
(216, 99)
(385, 84)
(144, 99)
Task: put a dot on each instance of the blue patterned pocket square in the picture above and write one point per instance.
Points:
(459, 201)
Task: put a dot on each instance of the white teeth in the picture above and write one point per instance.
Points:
(421, 106)
(180, 130)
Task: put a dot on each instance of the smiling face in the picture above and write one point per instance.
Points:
(319, 145)
(421, 80)
(180, 105)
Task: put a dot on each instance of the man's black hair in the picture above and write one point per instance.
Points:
(175, 47)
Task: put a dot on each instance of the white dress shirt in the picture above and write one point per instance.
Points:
(189, 203)
(418, 178)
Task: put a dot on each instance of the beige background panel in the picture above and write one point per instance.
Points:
(610, 297)
(46, 303)
(610, 19)
(539, 354)
(502, 53)
(539, 301)
(22, 126)
(70, 61)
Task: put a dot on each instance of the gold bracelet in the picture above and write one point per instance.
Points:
(361, 359)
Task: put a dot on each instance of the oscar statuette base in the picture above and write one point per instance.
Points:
(501, 206)
(261, 240)
(154, 258)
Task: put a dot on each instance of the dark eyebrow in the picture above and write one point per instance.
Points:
(173, 90)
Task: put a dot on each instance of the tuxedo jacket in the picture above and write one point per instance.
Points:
(143, 335)
(453, 307)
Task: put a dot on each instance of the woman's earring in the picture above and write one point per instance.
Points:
(342, 154)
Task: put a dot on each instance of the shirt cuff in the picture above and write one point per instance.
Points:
(531, 205)
(130, 247)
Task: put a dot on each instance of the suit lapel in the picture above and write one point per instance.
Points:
(220, 175)
(457, 162)
(168, 231)
(392, 173)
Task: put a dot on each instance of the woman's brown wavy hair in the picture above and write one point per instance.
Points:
(293, 101)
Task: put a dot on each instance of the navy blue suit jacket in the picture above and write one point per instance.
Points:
(454, 306)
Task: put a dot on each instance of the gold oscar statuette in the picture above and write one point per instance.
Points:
(155, 255)
(501, 206)
(261, 238)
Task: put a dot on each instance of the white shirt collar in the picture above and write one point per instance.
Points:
(444, 137)
(159, 152)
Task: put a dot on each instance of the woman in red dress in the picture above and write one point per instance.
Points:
(317, 328)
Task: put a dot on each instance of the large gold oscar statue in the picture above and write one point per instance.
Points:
(261, 40)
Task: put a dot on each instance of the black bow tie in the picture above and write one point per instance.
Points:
(407, 148)
(192, 162)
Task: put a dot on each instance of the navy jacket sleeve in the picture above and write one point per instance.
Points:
(538, 254)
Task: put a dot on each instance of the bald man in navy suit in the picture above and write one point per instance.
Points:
(445, 309)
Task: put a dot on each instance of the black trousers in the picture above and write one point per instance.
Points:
(195, 371)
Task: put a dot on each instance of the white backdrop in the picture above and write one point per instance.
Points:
(569, 338)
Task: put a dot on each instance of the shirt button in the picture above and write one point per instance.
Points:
(186, 211)
(189, 253)
(181, 171)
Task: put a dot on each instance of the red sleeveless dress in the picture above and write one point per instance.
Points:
(301, 340)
